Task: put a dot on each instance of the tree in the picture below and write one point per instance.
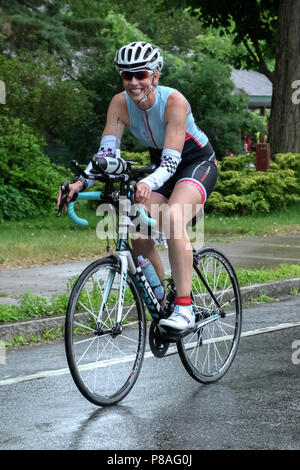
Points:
(153, 17)
(266, 28)
(284, 132)
(34, 24)
(60, 27)
(253, 23)
(37, 92)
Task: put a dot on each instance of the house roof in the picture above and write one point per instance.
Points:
(256, 85)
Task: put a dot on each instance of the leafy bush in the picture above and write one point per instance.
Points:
(142, 158)
(289, 161)
(28, 180)
(14, 205)
(243, 190)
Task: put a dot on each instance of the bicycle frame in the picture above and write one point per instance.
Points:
(125, 255)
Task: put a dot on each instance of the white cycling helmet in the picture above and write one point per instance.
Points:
(138, 56)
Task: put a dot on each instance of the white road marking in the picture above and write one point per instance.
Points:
(53, 373)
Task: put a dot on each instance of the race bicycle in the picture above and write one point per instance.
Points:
(106, 322)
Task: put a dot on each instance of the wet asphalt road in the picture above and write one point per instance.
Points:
(255, 406)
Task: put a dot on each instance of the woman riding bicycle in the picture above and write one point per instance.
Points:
(160, 117)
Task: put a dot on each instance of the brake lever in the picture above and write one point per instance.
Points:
(64, 196)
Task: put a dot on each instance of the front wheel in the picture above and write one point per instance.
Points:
(104, 356)
(208, 352)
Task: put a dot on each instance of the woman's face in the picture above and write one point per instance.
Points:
(138, 87)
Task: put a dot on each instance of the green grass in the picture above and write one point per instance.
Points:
(281, 222)
(260, 276)
(261, 299)
(49, 240)
(31, 306)
(47, 336)
(248, 277)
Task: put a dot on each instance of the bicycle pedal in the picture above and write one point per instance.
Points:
(173, 336)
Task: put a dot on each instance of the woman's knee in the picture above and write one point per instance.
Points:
(142, 246)
(174, 221)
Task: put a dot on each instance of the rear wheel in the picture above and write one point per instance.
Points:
(208, 351)
(104, 356)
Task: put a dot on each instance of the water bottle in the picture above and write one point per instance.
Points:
(152, 278)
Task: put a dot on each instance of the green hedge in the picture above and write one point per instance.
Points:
(289, 161)
(243, 190)
(142, 158)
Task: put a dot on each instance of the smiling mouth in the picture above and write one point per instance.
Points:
(135, 91)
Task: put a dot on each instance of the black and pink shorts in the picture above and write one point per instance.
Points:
(201, 172)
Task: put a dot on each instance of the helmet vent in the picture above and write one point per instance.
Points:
(137, 53)
(148, 52)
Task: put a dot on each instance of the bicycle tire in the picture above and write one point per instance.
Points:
(208, 352)
(93, 345)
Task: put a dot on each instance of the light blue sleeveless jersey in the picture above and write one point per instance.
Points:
(149, 126)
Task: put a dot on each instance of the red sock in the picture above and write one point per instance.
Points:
(183, 301)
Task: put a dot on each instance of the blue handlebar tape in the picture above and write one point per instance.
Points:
(89, 196)
(96, 196)
(145, 219)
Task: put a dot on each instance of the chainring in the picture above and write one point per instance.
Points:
(157, 345)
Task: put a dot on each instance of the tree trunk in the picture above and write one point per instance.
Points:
(284, 127)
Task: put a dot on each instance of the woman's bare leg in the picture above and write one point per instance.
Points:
(145, 246)
(180, 249)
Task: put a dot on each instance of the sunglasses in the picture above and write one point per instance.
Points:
(141, 75)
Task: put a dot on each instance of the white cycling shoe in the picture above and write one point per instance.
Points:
(181, 319)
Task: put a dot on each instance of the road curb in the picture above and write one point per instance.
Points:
(272, 289)
(36, 327)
